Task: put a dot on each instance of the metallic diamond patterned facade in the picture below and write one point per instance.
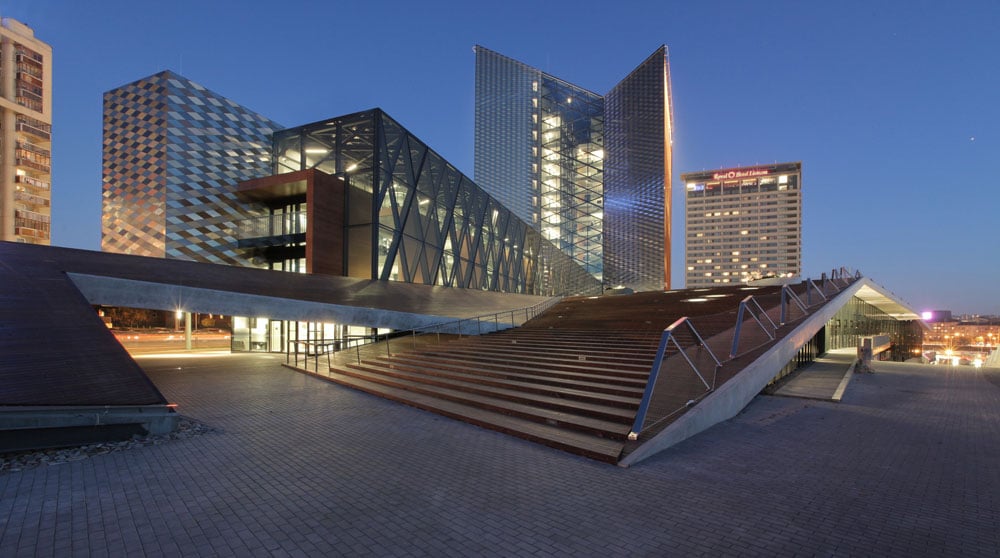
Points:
(412, 216)
(173, 153)
(558, 154)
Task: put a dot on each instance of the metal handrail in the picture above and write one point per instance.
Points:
(788, 294)
(320, 343)
(738, 329)
(647, 396)
(811, 283)
(529, 313)
(749, 304)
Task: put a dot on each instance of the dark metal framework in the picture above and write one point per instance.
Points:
(411, 216)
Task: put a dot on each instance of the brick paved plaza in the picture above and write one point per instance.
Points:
(908, 464)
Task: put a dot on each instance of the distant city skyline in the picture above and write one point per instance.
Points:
(891, 108)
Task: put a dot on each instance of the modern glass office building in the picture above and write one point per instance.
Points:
(359, 195)
(189, 174)
(173, 154)
(743, 224)
(407, 214)
(590, 173)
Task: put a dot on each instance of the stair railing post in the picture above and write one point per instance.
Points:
(654, 372)
(738, 328)
(784, 305)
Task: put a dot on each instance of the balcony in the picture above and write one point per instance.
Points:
(28, 232)
(29, 164)
(272, 230)
(25, 55)
(40, 131)
(29, 78)
(28, 103)
(29, 92)
(31, 199)
(32, 182)
(32, 148)
(31, 224)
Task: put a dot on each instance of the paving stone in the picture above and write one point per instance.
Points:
(905, 464)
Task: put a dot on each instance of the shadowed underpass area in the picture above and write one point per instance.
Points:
(905, 465)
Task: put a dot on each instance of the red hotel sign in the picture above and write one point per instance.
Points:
(749, 173)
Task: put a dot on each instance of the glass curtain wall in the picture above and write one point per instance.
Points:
(571, 171)
(859, 319)
(413, 217)
(638, 170)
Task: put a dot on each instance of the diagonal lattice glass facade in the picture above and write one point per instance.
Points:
(571, 172)
(539, 150)
(411, 216)
(173, 154)
(558, 154)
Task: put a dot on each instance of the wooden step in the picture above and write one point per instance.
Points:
(592, 426)
(593, 447)
(636, 368)
(501, 377)
(568, 361)
(631, 359)
(561, 345)
(572, 401)
(590, 374)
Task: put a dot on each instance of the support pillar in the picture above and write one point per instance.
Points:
(187, 331)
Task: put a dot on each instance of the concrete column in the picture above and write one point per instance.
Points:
(187, 331)
(7, 138)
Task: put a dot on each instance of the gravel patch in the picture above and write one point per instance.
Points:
(19, 461)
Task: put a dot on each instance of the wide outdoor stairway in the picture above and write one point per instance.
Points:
(571, 378)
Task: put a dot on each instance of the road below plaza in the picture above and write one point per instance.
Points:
(139, 342)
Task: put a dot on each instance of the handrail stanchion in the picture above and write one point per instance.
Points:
(745, 307)
(788, 294)
(654, 372)
(737, 329)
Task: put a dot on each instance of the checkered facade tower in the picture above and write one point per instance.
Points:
(173, 153)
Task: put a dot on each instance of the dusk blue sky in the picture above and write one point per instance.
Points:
(892, 107)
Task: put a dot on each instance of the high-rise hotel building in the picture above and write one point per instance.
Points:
(590, 172)
(743, 224)
(25, 135)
